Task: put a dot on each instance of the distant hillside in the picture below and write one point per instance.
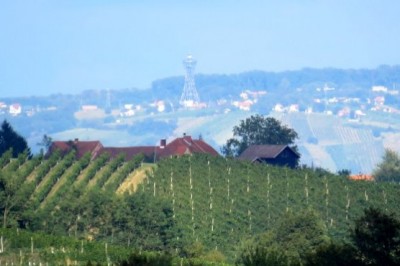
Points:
(282, 86)
(127, 117)
(335, 144)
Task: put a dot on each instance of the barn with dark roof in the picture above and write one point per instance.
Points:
(280, 155)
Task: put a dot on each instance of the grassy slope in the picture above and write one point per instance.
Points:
(131, 183)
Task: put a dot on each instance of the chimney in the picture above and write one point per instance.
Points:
(163, 143)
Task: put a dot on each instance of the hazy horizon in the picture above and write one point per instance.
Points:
(67, 47)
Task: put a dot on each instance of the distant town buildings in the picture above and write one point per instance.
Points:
(324, 99)
(88, 108)
(15, 109)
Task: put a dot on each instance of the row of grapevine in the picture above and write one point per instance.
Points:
(219, 202)
(15, 163)
(25, 248)
(108, 170)
(5, 159)
(44, 168)
(52, 177)
(113, 183)
(27, 168)
(59, 190)
(88, 174)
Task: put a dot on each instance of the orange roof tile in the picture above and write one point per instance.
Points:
(362, 177)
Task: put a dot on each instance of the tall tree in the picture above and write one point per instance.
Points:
(389, 168)
(12, 195)
(45, 143)
(301, 233)
(296, 236)
(258, 130)
(11, 139)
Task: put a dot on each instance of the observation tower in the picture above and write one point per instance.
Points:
(190, 97)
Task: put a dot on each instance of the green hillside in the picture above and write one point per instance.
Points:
(214, 201)
(220, 202)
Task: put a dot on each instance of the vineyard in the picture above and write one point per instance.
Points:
(25, 248)
(342, 145)
(192, 199)
(220, 202)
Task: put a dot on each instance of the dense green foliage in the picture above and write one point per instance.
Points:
(137, 259)
(9, 139)
(377, 238)
(389, 168)
(21, 247)
(258, 130)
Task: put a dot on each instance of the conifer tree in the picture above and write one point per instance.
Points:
(389, 168)
(9, 139)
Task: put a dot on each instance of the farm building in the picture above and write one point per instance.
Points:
(81, 147)
(177, 147)
(360, 176)
(281, 155)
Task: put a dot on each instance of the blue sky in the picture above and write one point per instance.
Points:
(67, 46)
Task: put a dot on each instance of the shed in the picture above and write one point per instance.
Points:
(280, 155)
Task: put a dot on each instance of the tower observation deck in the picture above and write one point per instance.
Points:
(190, 97)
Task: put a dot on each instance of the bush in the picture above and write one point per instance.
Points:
(147, 259)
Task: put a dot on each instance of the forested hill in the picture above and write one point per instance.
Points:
(348, 82)
(211, 87)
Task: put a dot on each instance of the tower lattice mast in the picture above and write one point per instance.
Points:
(189, 97)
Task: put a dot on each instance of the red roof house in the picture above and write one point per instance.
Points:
(365, 177)
(178, 147)
(186, 145)
(130, 152)
(81, 147)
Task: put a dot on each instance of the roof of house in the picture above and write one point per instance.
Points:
(81, 147)
(186, 145)
(254, 152)
(365, 177)
(130, 152)
(179, 146)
